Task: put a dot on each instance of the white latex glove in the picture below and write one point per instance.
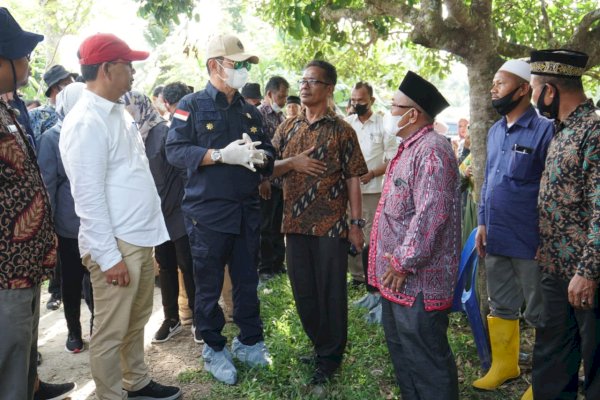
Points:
(239, 152)
(258, 156)
(246, 138)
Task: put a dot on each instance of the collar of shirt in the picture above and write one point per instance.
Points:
(220, 98)
(330, 115)
(353, 118)
(524, 120)
(416, 136)
(103, 105)
(581, 110)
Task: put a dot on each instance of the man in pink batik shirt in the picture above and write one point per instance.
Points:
(415, 242)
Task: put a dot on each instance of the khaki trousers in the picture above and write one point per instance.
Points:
(369, 206)
(117, 344)
(226, 296)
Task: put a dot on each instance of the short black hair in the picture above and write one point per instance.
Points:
(330, 71)
(173, 92)
(276, 83)
(361, 84)
(158, 90)
(569, 85)
(89, 72)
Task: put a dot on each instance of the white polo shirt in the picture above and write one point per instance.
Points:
(114, 192)
(375, 144)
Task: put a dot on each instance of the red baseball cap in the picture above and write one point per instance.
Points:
(105, 47)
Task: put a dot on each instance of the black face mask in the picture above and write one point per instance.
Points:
(361, 109)
(551, 110)
(506, 104)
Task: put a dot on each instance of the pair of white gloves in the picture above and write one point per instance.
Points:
(244, 152)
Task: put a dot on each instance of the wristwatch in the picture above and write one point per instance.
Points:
(215, 156)
(360, 222)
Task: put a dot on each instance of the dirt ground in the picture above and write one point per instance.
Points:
(166, 360)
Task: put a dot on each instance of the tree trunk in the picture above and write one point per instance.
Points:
(481, 72)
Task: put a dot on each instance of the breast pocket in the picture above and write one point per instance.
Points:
(209, 129)
(399, 200)
(520, 165)
(377, 138)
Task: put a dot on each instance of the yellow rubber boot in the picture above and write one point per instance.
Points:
(504, 339)
(528, 395)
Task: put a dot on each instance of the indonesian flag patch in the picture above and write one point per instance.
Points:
(181, 115)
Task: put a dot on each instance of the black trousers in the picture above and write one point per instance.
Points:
(55, 280)
(169, 255)
(317, 270)
(272, 245)
(568, 336)
(211, 250)
(418, 344)
(75, 279)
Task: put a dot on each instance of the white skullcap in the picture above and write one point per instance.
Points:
(519, 68)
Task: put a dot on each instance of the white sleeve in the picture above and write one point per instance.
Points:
(84, 148)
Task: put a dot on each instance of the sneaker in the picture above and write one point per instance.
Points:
(255, 355)
(156, 391)
(220, 365)
(197, 337)
(74, 344)
(53, 303)
(51, 391)
(167, 330)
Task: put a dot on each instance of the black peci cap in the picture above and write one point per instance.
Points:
(251, 91)
(561, 63)
(423, 93)
(293, 100)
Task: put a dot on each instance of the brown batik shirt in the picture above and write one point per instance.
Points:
(569, 199)
(317, 205)
(27, 240)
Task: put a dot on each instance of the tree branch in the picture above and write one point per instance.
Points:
(546, 22)
(378, 8)
(482, 9)
(587, 39)
(513, 50)
(460, 13)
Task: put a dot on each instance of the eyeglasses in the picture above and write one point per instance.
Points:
(401, 106)
(239, 64)
(312, 82)
(242, 64)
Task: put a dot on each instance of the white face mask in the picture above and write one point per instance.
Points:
(236, 78)
(390, 123)
(275, 107)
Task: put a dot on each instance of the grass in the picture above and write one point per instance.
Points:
(366, 373)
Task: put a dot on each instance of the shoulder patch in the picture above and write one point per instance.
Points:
(181, 115)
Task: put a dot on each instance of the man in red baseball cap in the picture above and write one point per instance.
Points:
(121, 218)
